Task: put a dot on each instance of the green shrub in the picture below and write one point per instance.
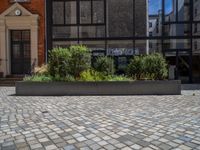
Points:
(67, 78)
(153, 67)
(156, 66)
(38, 78)
(80, 60)
(105, 65)
(136, 68)
(91, 75)
(59, 62)
(118, 78)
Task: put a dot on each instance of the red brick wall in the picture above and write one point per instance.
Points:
(35, 7)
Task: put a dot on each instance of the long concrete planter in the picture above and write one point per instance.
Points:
(98, 88)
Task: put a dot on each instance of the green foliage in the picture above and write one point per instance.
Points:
(91, 75)
(80, 60)
(156, 66)
(38, 78)
(152, 67)
(59, 62)
(67, 78)
(136, 69)
(105, 65)
(118, 78)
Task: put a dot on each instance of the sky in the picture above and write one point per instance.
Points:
(155, 5)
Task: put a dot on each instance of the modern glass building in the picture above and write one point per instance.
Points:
(108, 27)
(124, 28)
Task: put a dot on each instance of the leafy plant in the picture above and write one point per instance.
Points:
(151, 67)
(118, 78)
(156, 66)
(105, 65)
(67, 78)
(38, 78)
(80, 60)
(58, 64)
(136, 68)
(91, 75)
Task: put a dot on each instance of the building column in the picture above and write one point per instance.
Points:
(3, 58)
(34, 42)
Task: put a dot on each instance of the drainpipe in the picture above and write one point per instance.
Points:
(46, 50)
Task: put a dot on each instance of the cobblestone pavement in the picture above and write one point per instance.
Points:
(69, 123)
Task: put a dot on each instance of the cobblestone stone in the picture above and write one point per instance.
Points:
(107, 122)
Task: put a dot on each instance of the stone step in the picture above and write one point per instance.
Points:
(9, 81)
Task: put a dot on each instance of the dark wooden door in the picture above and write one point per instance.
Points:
(20, 52)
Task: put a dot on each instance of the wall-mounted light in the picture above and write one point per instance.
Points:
(18, 12)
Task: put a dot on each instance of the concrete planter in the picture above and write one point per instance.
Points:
(99, 88)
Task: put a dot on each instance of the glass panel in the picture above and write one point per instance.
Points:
(140, 17)
(94, 45)
(58, 12)
(63, 44)
(70, 12)
(16, 51)
(141, 47)
(196, 11)
(27, 54)
(120, 18)
(177, 30)
(183, 11)
(91, 31)
(179, 44)
(120, 48)
(16, 35)
(196, 29)
(26, 35)
(196, 46)
(85, 12)
(170, 11)
(155, 46)
(65, 32)
(98, 11)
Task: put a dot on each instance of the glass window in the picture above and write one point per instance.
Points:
(155, 46)
(64, 44)
(91, 31)
(196, 46)
(120, 18)
(98, 46)
(98, 11)
(16, 35)
(58, 12)
(26, 35)
(139, 23)
(141, 47)
(196, 11)
(120, 48)
(180, 44)
(85, 12)
(70, 12)
(65, 32)
(177, 30)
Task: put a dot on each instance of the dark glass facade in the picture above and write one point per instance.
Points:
(120, 28)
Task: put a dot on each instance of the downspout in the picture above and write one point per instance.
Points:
(46, 50)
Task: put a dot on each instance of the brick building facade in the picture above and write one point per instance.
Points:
(22, 35)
